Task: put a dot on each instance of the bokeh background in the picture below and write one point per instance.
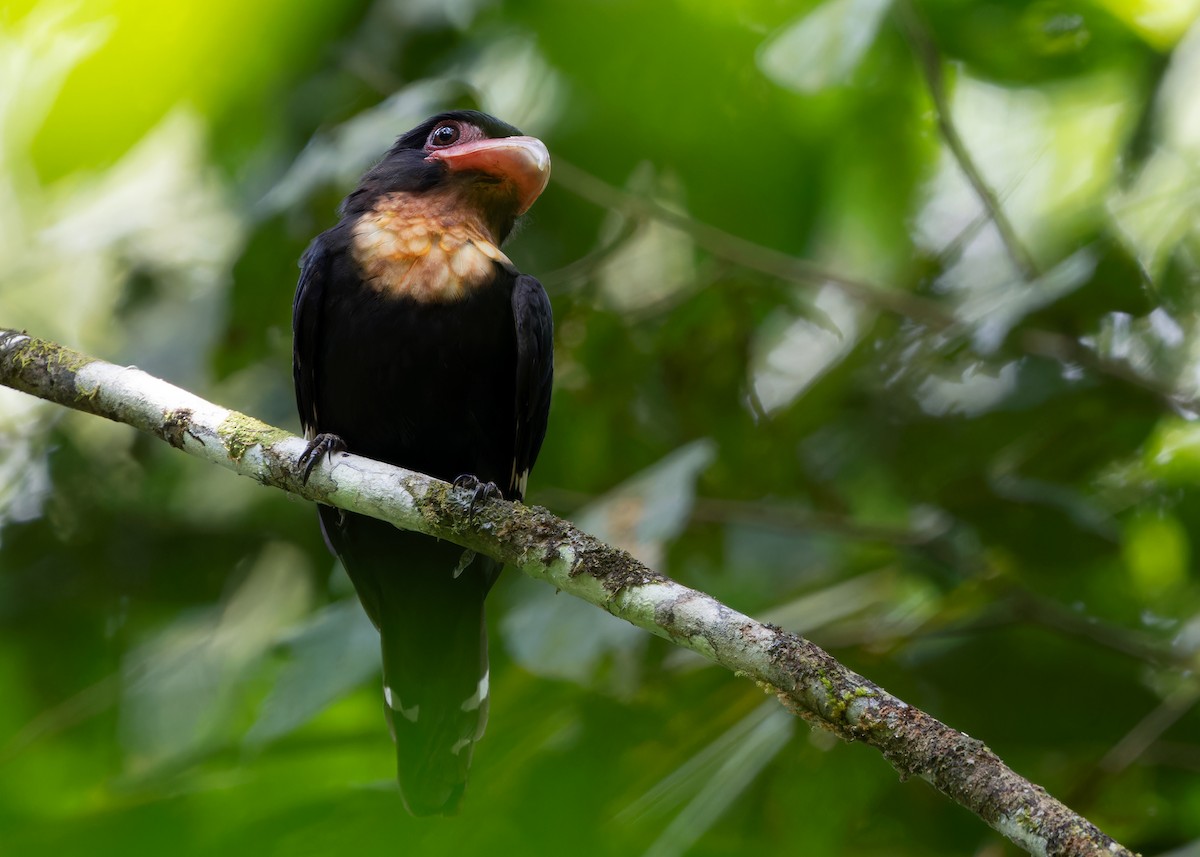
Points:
(874, 319)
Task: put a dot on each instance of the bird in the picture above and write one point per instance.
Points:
(417, 342)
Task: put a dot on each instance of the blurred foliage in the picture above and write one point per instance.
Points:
(799, 367)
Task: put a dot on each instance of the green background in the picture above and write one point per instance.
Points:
(798, 367)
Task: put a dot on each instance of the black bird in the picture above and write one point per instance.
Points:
(417, 342)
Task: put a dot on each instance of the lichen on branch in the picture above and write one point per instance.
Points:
(810, 682)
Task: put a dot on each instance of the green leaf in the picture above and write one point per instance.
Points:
(1156, 550)
(183, 687)
(329, 655)
(824, 47)
(1173, 453)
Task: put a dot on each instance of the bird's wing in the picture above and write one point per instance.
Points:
(535, 373)
(306, 315)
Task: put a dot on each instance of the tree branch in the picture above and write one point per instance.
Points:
(808, 681)
(747, 254)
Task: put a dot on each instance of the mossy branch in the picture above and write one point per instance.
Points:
(807, 680)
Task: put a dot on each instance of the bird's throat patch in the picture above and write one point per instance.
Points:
(418, 247)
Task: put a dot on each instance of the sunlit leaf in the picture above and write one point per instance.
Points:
(791, 354)
(657, 260)
(1173, 453)
(1158, 208)
(996, 313)
(515, 81)
(825, 46)
(1048, 155)
(1160, 22)
(339, 156)
(36, 55)
(1156, 550)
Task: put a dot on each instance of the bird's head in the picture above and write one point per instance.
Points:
(465, 158)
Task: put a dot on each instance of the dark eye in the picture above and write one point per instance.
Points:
(444, 135)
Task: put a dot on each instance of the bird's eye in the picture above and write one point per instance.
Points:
(444, 135)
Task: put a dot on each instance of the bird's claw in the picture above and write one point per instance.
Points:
(480, 491)
(323, 444)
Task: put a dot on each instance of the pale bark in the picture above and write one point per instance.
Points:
(807, 680)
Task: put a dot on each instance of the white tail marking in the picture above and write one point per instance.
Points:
(480, 695)
(394, 703)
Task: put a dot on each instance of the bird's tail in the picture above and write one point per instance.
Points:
(435, 688)
(429, 611)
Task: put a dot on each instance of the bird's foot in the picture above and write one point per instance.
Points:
(481, 492)
(323, 444)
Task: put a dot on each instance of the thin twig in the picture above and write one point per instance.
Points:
(1065, 349)
(1029, 607)
(931, 65)
(1137, 742)
(776, 516)
(1150, 728)
(748, 254)
(584, 267)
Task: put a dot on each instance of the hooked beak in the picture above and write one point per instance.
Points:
(522, 162)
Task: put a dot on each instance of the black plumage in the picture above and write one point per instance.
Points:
(417, 342)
